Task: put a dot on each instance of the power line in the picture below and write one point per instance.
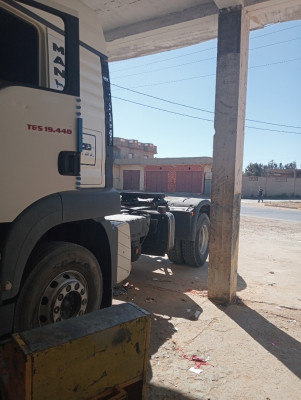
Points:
(175, 81)
(271, 130)
(272, 33)
(271, 123)
(203, 119)
(275, 63)
(200, 51)
(161, 109)
(166, 59)
(200, 109)
(208, 75)
(274, 44)
(159, 98)
(203, 60)
(161, 69)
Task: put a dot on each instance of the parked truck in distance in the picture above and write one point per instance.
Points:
(179, 226)
(66, 236)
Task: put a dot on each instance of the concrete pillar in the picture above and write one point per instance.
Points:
(230, 102)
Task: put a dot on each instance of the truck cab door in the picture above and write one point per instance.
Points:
(39, 92)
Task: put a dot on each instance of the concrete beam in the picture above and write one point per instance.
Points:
(162, 39)
(230, 102)
(228, 3)
(163, 21)
(263, 12)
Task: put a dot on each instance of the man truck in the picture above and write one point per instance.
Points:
(66, 236)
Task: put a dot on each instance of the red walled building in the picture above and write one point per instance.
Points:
(174, 178)
(167, 175)
(135, 168)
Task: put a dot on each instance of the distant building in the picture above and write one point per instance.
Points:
(135, 168)
(132, 149)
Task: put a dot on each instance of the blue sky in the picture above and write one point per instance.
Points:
(187, 76)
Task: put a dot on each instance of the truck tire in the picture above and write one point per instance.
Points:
(195, 253)
(175, 254)
(65, 282)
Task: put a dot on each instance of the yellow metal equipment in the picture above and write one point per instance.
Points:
(101, 355)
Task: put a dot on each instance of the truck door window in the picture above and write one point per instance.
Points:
(19, 50)
(39, 47)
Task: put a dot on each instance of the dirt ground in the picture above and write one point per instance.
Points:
(252, 348)
(284, 204)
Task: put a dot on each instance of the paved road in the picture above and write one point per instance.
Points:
(261, 211)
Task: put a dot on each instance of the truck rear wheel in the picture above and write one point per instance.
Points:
(195, 253)
(65, 282)
(175, 254)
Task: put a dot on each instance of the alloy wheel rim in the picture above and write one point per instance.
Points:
(66, 296)
(203, 239)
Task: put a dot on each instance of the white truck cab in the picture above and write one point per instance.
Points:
(65, 149)
(56, 165)
(66, 236)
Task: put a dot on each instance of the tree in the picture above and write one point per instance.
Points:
(292, 165)
(258, 169)
(272, 165)
(254, 169)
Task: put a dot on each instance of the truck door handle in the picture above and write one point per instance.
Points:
(69, 163)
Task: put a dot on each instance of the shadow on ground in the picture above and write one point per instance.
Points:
(147, 267)
(161, 288)
(164, 290)
(281, 345)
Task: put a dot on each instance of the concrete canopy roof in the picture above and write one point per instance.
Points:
(134, 28)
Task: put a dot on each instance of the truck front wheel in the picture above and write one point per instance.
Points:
(195, 253)
(65, 282)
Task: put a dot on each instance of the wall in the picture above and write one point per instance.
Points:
(272, 186)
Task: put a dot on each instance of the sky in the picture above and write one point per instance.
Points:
(145, 88)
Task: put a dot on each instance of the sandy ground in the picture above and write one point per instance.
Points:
(252, 348)
(284, 204)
